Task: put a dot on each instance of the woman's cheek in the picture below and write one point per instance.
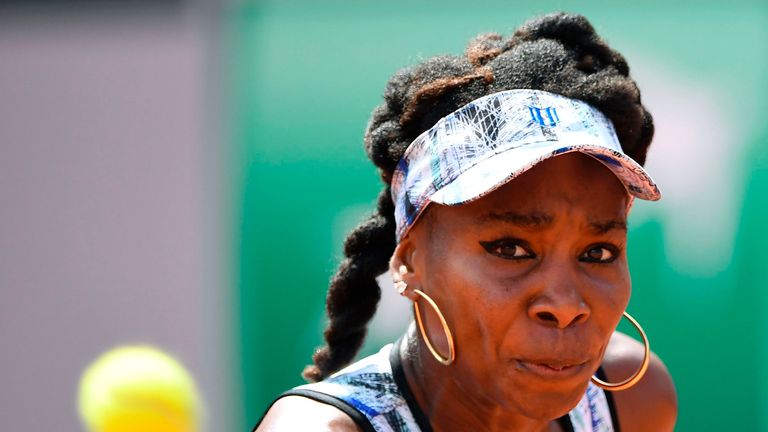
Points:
(610, 280)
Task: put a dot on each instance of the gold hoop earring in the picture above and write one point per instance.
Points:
(634, 379)
(448, 335)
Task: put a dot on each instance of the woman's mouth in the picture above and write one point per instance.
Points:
(552, 369)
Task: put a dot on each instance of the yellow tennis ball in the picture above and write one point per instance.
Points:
(138, 388)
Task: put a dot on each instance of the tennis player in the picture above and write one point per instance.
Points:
(508, 175)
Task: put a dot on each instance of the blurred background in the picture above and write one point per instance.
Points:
(182, 173)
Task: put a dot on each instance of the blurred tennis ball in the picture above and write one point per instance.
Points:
(138, 388)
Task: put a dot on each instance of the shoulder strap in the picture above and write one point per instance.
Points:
(593, 413)
(367, 392)
(360, 420)
(402, 383)
(609, 399)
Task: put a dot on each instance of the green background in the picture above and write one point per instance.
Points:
(303, 80)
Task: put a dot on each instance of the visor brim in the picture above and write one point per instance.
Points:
(493, 172)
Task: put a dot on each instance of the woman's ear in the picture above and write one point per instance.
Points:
(401, 268)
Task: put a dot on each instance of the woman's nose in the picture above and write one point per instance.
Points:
(560, 307)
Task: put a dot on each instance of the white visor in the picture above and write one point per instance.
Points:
(491, 140)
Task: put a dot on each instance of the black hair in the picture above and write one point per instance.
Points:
(559, 53)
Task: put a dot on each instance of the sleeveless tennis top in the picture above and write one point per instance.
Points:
(375, 394)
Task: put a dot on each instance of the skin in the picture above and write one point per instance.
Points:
(532, 280)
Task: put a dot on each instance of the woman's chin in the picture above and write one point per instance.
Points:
(540, 403)
(548, 408)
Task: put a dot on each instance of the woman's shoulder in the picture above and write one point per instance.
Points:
(339, 402)
(652, 403)
(297, 413)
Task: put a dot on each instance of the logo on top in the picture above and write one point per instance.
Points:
(544, 116)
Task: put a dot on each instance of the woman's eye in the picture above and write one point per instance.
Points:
(507, 249)
(599, 254)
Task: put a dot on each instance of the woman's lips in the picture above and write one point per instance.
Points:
(552, 369)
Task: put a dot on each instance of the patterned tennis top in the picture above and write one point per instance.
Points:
(375, 394)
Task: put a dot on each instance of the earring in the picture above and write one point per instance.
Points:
(401, 286)
(634, 379)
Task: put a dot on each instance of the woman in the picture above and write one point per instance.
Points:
(509, 173)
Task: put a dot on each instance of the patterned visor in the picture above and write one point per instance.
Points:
(491, 140)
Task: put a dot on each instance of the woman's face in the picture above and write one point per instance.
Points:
(532, 280)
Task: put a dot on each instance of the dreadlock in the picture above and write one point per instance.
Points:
(559, 53)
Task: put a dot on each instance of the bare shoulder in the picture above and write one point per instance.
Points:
(296, 413)
(651, 405)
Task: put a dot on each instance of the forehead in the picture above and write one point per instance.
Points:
(573, 186)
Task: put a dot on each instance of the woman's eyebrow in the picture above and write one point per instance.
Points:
(602, 227)
(540, 220)
(536, 220)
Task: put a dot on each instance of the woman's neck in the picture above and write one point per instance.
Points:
(448, 406)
